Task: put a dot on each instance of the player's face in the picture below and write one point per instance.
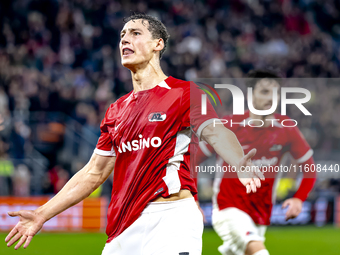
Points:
(263, 94)
(136, 44)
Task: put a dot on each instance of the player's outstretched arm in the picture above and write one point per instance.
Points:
(80, 186)
(295, 203)
(228, 147)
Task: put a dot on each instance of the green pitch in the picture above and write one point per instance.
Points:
(280, 241)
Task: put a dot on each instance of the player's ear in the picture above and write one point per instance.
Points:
(159, 44)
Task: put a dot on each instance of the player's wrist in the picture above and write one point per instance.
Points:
(299, 199)
(42, 215)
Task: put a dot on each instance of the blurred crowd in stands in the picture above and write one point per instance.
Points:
(62, 56)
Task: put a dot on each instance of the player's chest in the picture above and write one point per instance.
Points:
(145, 116)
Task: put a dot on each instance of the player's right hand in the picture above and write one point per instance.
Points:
(294, 207)
(29, 224)
(249, 175)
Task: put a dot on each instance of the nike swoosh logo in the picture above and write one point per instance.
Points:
(116, 127)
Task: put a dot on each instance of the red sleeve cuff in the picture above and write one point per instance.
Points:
(307, 182)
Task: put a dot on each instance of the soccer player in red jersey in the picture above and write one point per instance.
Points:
(145, 137)
(240, 219)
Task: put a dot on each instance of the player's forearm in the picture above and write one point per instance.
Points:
(307, 182)
(80, 186)
(224, 142)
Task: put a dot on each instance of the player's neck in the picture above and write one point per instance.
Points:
(147, 77)
(263, 118)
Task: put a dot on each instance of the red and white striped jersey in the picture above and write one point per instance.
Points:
(150, 134)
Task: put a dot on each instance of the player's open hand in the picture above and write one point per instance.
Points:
(294, 207)
(30, 223)
(249, 175)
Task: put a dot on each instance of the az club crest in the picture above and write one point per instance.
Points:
(157, 116)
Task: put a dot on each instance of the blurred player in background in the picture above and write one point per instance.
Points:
(145, 136)
(240, 219)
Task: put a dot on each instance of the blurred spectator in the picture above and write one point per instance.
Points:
(21, 181)
(6, 170)
(58, 178)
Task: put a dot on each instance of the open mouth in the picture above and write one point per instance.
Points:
(127, 52)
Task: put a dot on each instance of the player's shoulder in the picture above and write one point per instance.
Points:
(123, 98)
(183, 89)
(175, 83)
(113, 106)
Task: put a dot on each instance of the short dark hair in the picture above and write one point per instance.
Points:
(255, 75)
(156, 27)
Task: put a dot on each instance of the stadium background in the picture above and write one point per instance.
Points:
(60, 69)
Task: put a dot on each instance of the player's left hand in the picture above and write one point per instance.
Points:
(294, 207)
(249, 175)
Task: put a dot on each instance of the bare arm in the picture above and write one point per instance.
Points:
(224, 143)
(80, 186)
(295, 203)
(228, 147)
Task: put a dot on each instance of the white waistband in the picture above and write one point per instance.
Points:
(162, 206)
